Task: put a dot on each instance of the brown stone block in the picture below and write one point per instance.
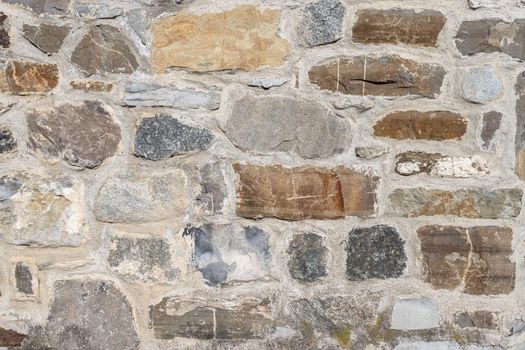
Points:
(11, 338)
(26, 77)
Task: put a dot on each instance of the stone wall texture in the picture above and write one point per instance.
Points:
(262, 174)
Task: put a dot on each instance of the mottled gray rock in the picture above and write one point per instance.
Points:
(23, 279)
(265, 124)
(308, 257)
(48, 38)
(481, 85)
(520, 126)
(5, 27)
(490, 124)
(52, 7)
(227, 253)
(7, 140)
(104, 49)
(421, 345)
(139, 20)
(98, 11)
(145, 259)
(413, 314)
(476, 319)
(370, 152)
(267, 83)
(214, 188)
(153, 95)
(82, 135)
(375, 252)
(475, 4)
(163, 136)
(322, 22)
(142, 196)
(9, 186)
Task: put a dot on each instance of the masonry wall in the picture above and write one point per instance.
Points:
(293, 174)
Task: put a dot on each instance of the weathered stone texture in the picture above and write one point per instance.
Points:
(478, 319)
(322, 23)
(490, 124)
(469, 203)
(414, 314)
(98, 11)
(83, 135)
(475, 260)
(214, 189)
(91, 86)
(163, 136)
(435, 164)
(475, 4)
(243, 38)
(104, 49)
(27, 77)
(52, 7)
(265, 124)
(420, 28)
(7, 140)
(308, 257)
(378, 76)
(47, 38)
(23, 279)
(481, 85)
(303, 193)
(520, 126)
(375, 252)
(11, 338)
(370, 152)
(5, 24)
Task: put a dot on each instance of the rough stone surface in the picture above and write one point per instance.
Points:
(520, 127)
(141, 259)
(370, 152)
(5, 24)
(473, 203)
(219, 41)
(153, 95)
(98, 11)
(414, 314)
(308, 257)
(435, 164)
(264, 124)
(104, 49)
(176, 317)
(267, 83)
(23, 279)
(91, 86)
(481, 85)
(476, 319)
(416, 125)
(27, 77)
(47, 38)
(475, 4)
(52, 7)
(322, 22)
(214, 188)
(82, 135)
(381, 76)
(142, 196)
(475, 260)
(374, 252)
(163, 136)
(490, 125)
(397, 26)
(229, 253)
(10, 338)
(139, 21)
(7, 140)
(303, 193)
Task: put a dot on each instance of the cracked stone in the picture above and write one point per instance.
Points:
(322, 22)
(308, 257)
(52, 7)
(475, 260)
(303, 193)
(490, 125)
(28, 77)
(162, 136)
(83, 135)
(383, 76)
(5, 24)
(7, 141)
(47, 38)
(435, 164)
(481, 85)
(265, 124)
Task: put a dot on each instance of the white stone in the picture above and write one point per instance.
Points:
(421, 345)
(412, 314)
(267, 83)
(461, 167)
(481, 85)
(475, 4)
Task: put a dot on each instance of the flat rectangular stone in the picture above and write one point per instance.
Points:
(303, 193)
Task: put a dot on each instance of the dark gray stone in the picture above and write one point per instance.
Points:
(47, 38)
(52, 7)
(322, 22)
(490, 124)
(5, 24)
(163, 136)
(24, 278)
(375, 252)
(7, 141)
(307, 257)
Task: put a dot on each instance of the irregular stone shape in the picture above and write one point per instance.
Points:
(478, 319)
(163, 136)
(92, 86)
(322, 23)
(308, 257)
(475, 4)
(520, 127)
(144, 259)
(398, 26)
(370, 152)
(104, 49)
(23, 279)
(414, 314)
(435, 164)
(303, 193)
(175, 317)
(41, 211)
(47, 38)
(475, 260)
(11, 338)
(214, 189)
(415, 125)
(375, 252)
(27, 77)
(492, 35)
(490, 124)
(267, 83)
(475, 203)
(242, 38)
(152, 95)
(139, 21)
(98, 11)
(52, 7)
(433, 345)
(5, 24)
(481, 85)
(284, 124)
(229, 253)
(142, 196)
(83, 135)
(7, 140)
(382, 76)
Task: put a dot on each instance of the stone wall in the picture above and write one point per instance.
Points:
(276, 174)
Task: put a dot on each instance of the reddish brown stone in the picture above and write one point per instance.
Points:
(398, 27)
(26, 77)
(303, 193)
(10, 338)
(383, 76)
(415, 125)
(475, 260)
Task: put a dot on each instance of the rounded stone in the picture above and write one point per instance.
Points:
(481, 85)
